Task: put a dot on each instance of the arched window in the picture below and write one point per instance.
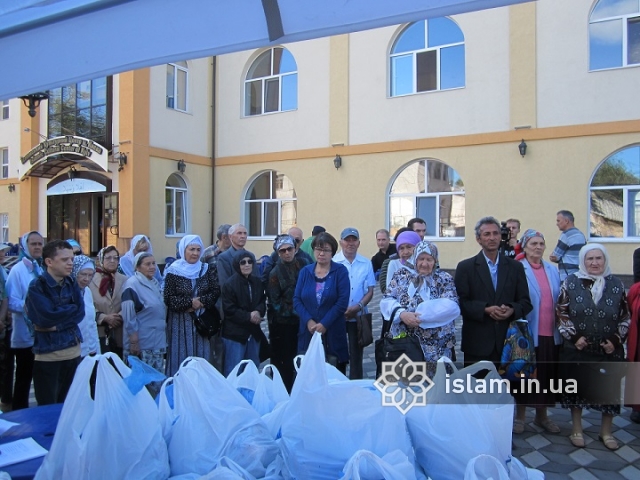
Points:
(177, 85)
(272, 83)
(427, 55)
(433, 191)
(176, 205)
(615, 196)
(270, 206)
(614, 34)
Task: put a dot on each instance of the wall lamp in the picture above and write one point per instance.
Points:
(12, 188)
(32, 101)
(337, 162)
(122, 160)
(72, 173)
(522, 148)
(182, 166)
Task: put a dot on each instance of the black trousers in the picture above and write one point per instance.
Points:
(284, 348)
(51, 380)
(24, 374)
(355, 352)
(7, 364)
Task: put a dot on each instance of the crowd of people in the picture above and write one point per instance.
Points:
(61, 306)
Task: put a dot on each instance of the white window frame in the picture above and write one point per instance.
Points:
(4, 158)
(263, 87)
(414, 197)
(414, 56)
(263, 202)
(172, 203)
(4, 227)
(625, 45)
(174, 78)
(5, 110)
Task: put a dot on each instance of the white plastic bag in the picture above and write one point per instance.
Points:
(325, 424)
(269, 391)
(485, 467)
(364, 465)
(115, 435)
(452, 429)
(245, 378)
(209, 420)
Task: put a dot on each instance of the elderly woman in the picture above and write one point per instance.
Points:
(283, 328)
(320, 300)
(423, 302)
(190, 287)
(83, 271)
(405, 243)
(144, 314)
(20, 276)
(106, 287)
(544, 287)
(243, 304)
(593, 317)
(139, 243)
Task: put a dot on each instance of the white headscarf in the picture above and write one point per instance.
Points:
(128, 267)
(598, 280)
(183, 268)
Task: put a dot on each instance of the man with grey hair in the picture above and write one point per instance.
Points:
(211, 253)
(238, 239)
(493, 291)
(569, 244)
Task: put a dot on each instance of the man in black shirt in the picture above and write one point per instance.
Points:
(386, 249)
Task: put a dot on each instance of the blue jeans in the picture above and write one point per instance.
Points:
(235, 352)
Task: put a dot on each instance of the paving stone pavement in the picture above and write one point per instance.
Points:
(554, 454)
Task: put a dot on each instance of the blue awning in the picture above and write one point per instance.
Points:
(50, 43)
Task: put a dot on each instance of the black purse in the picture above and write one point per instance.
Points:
(389, 349)
(208, 322)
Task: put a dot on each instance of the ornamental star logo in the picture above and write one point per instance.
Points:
(404, 384)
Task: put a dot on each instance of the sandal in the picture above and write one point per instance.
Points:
(609, 442)
(518, 425)
(577, 440)
(547, 425)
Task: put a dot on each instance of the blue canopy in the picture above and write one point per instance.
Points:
(49, 43)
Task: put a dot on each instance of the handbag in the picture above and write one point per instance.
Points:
(364, 323)
(208, 321)
(390, 349)
(518, 358)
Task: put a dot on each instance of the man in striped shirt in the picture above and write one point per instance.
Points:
(569, 244)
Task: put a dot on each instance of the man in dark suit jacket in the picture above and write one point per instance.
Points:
(493, 291)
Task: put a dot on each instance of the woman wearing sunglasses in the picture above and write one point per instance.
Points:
(243, 304)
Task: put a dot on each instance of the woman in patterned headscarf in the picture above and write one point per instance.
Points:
(423, 302)
(83, 271)
(106, 288)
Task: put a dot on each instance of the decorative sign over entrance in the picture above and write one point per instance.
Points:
(50, 157)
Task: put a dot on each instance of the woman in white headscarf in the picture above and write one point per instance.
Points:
(83, 271)
(593, 317)
(139, 243)
(20, 276)
(424, 303)
(190, 287)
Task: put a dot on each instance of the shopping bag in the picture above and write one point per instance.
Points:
(245, 377)
(105, 431)
(209, 420)
(270, 390)
(364, 324)
(519, 352)
(326, 423)
(485, 467)
(364, 465)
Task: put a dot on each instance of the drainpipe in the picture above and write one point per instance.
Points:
(213, 149)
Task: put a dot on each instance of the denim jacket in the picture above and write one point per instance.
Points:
(55, 311)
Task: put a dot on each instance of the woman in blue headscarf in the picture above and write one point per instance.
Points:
(83, 271)
(21, 275)
(190, 287)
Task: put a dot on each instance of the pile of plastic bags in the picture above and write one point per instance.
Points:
(205, 426)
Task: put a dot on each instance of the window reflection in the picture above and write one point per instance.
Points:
(270, 205)
(607, 41)
(271, 84)
(433, 191)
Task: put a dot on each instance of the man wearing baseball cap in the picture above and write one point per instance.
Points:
(362, 281)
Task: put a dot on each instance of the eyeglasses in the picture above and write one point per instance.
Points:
(285, 250)
(246, 261)
(111, 259)
(326, 251)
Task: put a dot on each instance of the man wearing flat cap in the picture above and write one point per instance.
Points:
(362, 281)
